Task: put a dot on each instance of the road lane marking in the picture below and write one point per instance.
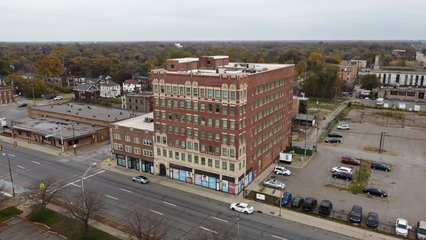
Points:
(108, 196)
(36, 162)
(208, 230)
(94, 174)
(11, 155)
(156, 212)
(171, 204)
(278, 237)
(75, 185)
(123, 189)
(19, 166)
(219, 219)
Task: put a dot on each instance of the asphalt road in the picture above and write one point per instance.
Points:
(186, 214)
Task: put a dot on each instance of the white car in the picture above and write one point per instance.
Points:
(282, 171)
(342, 169)
(401, 227)
(274, 183)
(140, 179)
(57, 98)
(343, 127)
(242, 207)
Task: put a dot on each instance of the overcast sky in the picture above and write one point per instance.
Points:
(186, 20)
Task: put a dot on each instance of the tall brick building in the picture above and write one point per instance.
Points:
(220, 124)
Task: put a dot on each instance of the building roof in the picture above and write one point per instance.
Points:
(304, 117)
(88, 111)
(185, 60)
(109, 84)
(143, 122)
(56, 128)
(141, 94)
(131, 81)
(85, 88)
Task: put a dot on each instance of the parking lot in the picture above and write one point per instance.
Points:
(404, 149)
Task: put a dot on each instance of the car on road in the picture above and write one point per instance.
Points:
(342, 175)
(350, 160)
(309, 204)
(286, 199)
(335, 135)
(22, 105)
(402, 227)
(140, 179)
(344, 127)
(325, 207)
(282, 171)
(297, 202)
(380, 166)
(421, 230)
(342, 169)
(242, 207)
(355, 216)
(372, 220)
(50, 96)
(274, 183)
(57, 98)
(375, 191)
(332, 140)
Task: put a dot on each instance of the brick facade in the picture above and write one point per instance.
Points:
(6, 95)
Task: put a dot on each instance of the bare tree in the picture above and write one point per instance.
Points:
(147, 226)
(215, 232)
(44, 193)
(84, 207)
(2, 197)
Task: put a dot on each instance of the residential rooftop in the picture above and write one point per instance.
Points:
(143, 122)
(88, 111)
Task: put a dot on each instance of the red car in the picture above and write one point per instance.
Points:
(351, 160)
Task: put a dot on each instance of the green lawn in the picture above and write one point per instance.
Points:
(68, 227)
(361, 175)
(8, 213)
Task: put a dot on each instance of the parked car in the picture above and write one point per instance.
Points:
(375, 191)
(309, 204)
(297, 202)
(140, 179)
(402, 227)
(335, 135)
(50, 96)
(344, 127)
(332, 140)
(372, 220)
(286, 199)
(22, 105)
(274, 183)
(342, 175)
(380, 166)
(57, 98)
(325, 207)
(356, 214)
(350, 160)
(282, 171)
(342, 169)
(242, 207)
(421, 230)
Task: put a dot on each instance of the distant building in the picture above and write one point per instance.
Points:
(133, 143)
(348, 71)
(6, 95)
(86, 93)
(139, 102)
(131, 85)
(110, 89)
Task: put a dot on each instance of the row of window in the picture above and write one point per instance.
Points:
(266, 99)
(266, 112)
(269, 86)
(201, 92)
(412, 81)
(135, 150)
(195, 159)
(137, 140)
(201, 121)
(202, 107)
(267, 146)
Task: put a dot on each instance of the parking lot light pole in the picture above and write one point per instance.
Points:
(10, 172)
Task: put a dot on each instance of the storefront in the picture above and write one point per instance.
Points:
(135, 163)
(206, 179)
(181, 173)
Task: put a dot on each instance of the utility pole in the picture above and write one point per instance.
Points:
(306, 126)
(62, 139)
(10, 172)
(318, 117)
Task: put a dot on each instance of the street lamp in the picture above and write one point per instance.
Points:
(82, 182)
(318, 117)
(238, 226)
(10, 172)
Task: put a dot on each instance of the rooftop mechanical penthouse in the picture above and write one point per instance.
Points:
(220, 124)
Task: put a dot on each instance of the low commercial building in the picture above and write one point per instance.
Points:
(58, 132)
(132, 143)
(6, 95)
(139, 102)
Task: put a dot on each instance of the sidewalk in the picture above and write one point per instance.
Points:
(305, 219)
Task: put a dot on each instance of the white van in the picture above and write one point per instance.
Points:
(380, 101)
(421, 230)
(416, 108)
(401, 106)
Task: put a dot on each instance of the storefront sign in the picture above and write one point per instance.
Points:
(260, 196)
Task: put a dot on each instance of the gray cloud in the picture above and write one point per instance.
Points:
(147, 20)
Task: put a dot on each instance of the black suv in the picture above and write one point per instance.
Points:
(309, 204)
(380, 166)
(334, 135)
(356, 214)
(372, 220)
(342, 175)
(325, 207)
(297, 202)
